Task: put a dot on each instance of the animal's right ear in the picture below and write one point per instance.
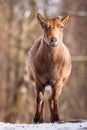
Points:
(41, 19)
(66, 19)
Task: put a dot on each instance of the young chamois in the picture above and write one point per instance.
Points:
(49, 63)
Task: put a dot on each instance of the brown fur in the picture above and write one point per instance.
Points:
(49, 65)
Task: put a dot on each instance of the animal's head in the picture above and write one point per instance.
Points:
(53, 29)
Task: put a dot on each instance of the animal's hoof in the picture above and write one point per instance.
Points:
(55, 119)
(37, 120)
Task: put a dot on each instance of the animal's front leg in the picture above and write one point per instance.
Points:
(53, 104)
(39, 109)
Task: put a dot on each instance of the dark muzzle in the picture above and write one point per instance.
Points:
(53, 42)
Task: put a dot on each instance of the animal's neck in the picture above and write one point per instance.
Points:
(48, 48)
(52, 49)
(50, 52)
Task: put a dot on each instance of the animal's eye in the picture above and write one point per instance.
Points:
(46, 28)
(61, 27)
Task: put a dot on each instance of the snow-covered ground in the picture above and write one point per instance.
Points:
(82, 125)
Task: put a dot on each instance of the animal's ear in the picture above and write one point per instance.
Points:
(41, 19)
(66, 19)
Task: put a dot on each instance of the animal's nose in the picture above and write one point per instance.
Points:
(53, 40)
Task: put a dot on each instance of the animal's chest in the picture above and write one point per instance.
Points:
(49, 73)
(49, 67)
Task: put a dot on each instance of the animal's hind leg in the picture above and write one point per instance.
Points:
(53, 105)
(40, 103)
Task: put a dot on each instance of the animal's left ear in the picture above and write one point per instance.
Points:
(66, 19)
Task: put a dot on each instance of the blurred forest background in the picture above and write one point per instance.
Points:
(19, 29)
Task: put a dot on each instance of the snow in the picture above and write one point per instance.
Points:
(46, 126)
